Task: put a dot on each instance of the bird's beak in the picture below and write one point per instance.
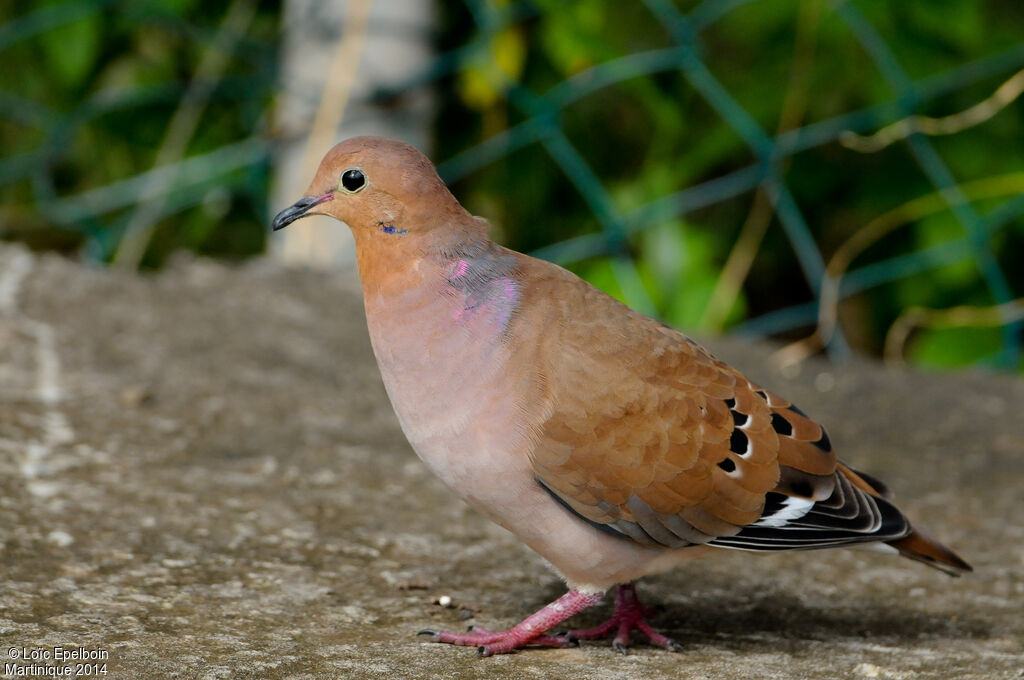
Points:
(299, 209)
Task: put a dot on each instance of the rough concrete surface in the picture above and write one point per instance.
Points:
(200, 476)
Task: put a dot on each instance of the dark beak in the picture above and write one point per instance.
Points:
(299, 209)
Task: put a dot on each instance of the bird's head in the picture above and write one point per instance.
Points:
(378, 186)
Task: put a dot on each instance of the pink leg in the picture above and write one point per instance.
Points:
(628, 614)
(528, 632)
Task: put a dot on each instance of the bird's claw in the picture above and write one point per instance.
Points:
(570, 639)
(621, 648)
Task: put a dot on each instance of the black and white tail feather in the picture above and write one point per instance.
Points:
(849, 515)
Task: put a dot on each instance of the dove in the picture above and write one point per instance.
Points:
(612, 445)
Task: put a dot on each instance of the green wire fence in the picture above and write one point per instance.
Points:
(102, 215)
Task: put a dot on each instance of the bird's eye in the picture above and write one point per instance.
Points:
(352, 180)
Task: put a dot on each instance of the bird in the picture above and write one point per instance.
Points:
(611, 444)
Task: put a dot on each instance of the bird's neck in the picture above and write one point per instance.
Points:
(392, 258)
(468, 287)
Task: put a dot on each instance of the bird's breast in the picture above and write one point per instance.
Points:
(445, 360)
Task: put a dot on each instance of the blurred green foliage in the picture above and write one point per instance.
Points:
(92, 85)
(652, 135)
(89, 89)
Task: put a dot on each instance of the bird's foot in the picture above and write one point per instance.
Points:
(527, 633)
(629, 615)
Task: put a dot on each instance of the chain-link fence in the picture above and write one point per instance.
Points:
(213, 179)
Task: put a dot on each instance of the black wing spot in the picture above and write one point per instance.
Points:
(738, 442)
(802, 487)
(773, 502)
(764, 395)
(781, 425)
(824, 444)
(738, 419)
(730, 402)
(795, 409)
(727, 464)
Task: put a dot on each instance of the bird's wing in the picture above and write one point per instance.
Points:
(652, 438)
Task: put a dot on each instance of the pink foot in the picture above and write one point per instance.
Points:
(629, 614)
(529, 632)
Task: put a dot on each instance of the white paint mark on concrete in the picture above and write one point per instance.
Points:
(55, 428)
(13, 271)
(48, 389)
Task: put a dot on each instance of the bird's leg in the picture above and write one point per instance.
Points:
(528, 632)
(628, 614)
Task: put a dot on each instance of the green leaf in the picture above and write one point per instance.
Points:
(953, 347)
(176, 6)
(71, 50)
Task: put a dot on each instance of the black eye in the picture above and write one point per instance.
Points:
(352, 180)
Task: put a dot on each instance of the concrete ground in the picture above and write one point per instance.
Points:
(200, 477)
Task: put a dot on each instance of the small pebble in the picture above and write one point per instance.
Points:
(61, 539)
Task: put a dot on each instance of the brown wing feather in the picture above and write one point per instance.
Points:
(653, 431)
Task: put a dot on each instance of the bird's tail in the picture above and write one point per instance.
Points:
(917, 545)
(921, 547)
